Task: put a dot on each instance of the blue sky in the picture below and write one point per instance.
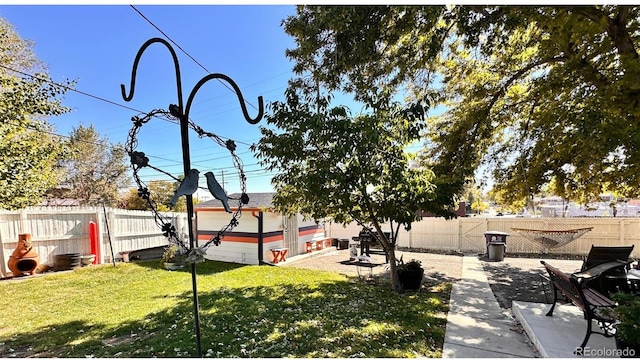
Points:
(96, 46)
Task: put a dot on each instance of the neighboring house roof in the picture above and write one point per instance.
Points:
(256, 200)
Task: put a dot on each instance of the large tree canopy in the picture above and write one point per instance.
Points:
(538, 93)
(30, 155)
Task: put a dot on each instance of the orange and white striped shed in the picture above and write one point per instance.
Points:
(260, 230)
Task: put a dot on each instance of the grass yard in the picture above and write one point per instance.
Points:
(140, 310)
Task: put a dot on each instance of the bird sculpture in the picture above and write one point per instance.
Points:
(188, 186)
(217, 191)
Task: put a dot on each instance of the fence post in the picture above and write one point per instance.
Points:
(23, 220)
(100, 220)
(411, 239)
(113, 231)
(459, 237)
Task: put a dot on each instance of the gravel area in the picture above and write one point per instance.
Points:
(514, 278)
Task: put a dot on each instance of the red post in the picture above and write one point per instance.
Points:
(95, 244)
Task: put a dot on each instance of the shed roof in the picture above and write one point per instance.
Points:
(256, 201)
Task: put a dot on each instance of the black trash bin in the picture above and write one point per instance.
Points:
(496, 244)
(343, 244)
(334, 242)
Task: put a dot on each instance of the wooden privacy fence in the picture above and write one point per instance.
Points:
(62, 230)
(467, 234)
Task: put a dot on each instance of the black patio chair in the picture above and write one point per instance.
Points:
(603, 261)
(603, 254)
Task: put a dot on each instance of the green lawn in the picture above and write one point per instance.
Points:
(140, 310)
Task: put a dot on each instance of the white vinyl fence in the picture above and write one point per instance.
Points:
(64, 230)
(61, 230)
(467, 234)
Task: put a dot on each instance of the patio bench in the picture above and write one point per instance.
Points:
(591, 302)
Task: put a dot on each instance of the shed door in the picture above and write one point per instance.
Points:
(291, 234)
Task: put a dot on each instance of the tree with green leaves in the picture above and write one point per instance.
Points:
(534, 93)
(505, 200)
(96, 170)
(333, 165)
(30, 154)
(548, 93)
(161, 192)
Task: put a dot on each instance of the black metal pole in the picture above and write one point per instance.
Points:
(260, 238)
(182, 113)
(106, 221)
(184, 132)
(184, 136)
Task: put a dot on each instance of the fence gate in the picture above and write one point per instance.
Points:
(472, 234)
(291, 234)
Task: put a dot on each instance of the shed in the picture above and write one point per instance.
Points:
(260, 230)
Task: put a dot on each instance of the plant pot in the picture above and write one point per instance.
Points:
(174, 265)
(62, 262)
(411, 279)
(87, 260)
(627, 351)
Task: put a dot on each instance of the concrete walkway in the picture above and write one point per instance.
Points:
(476, 325)
(478, 328)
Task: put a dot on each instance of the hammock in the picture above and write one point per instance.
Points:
(552, 238)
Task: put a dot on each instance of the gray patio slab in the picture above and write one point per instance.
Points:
(559, 335)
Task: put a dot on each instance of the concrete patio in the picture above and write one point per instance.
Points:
(477, 327)
(559, 335)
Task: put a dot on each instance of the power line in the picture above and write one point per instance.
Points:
(31, 128)
(99, 98)
(70, 88)
(186, 53)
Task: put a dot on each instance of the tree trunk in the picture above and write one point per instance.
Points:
(389, 246)
(395, 279)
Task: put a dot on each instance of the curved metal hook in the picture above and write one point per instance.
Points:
(135, 70)
(238, 93)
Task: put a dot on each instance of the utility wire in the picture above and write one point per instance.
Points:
(168, 38)
(35, 129)
(186, 53)
(70, 88)
(100, 98)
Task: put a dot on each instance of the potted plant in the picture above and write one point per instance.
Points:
(172, 259)
(410, 273)
(627, 312)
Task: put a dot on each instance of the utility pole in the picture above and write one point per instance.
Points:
(223, 182)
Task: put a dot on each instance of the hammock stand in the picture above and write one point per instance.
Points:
(550, 239)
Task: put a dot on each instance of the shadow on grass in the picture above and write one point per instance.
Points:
(205, 268)
(332, 317)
